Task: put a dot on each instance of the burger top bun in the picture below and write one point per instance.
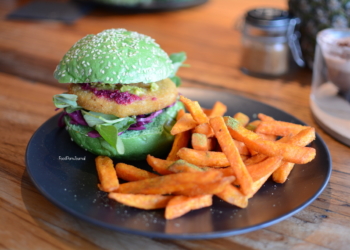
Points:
(114, 56)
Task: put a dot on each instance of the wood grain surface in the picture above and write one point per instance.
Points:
(29, 53)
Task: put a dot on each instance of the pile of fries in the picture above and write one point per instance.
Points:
(229, 157)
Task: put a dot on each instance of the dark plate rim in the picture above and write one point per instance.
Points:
(194, 236)
(152, 7)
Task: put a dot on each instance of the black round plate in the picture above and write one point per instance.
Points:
(66, 175)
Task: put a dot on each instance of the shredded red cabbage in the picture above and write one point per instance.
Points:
(61, 123)
(142, 120)
(77, 118)
(93, 134)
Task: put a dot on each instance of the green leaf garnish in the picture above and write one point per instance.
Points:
(110, 134)
(177, 60)
(95, 118)
(67, 101)
(176, 80)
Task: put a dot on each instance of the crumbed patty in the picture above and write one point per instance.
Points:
(150, 102)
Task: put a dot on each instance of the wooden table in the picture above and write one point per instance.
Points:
(30, 51)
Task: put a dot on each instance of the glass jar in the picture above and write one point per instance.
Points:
(268, 37)
(330, 92)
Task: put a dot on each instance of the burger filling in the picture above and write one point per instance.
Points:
(125, 100)
(88, 105)
(115, 95)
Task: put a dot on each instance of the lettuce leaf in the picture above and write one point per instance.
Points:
(177, 60)
(67, 101)
(110, 134)
(95, 118)
(176, 80)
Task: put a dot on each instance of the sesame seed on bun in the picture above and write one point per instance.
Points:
(114, 56)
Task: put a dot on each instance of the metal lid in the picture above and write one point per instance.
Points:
(268, 17)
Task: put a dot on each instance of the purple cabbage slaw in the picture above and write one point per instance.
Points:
(115, 95)
(142, 120)
(77, 118)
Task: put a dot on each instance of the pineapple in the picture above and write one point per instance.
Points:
(316, 15)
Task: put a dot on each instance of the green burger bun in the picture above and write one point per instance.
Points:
(118, 80)
(114, 56)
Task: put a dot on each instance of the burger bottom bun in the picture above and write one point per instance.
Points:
(155, 139)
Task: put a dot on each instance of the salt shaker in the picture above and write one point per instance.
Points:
(268, 38)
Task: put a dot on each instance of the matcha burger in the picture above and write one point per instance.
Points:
(122, 97)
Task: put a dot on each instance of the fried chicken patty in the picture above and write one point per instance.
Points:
(149, 102)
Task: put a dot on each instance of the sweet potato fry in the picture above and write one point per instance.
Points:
(219, 109)
(268, 137)
(203, 158)
(265, 118)
(181, 140)
(255, 159)
(196, 111)
(289, 152)
(244, 157)
(303, 138)
(279, 128)
(142, 201)
(199, 142)
(282, 172)
(265, 167)
(202, 142)
(242, 148)
(264, 137)
(180, 114)
(253, 125)
(212, 142)
(207, 111)
(230, 150)
(158, 165)
(228, 171)
(232, 195)
(208, 188)
(241, 118)
(132, 173)
(258, 184)
(106, 174)
(185, 123)
(180, 205)
(190, 184)
(181, 166)
(204, 128)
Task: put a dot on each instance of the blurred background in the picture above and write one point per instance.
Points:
(34, 34)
